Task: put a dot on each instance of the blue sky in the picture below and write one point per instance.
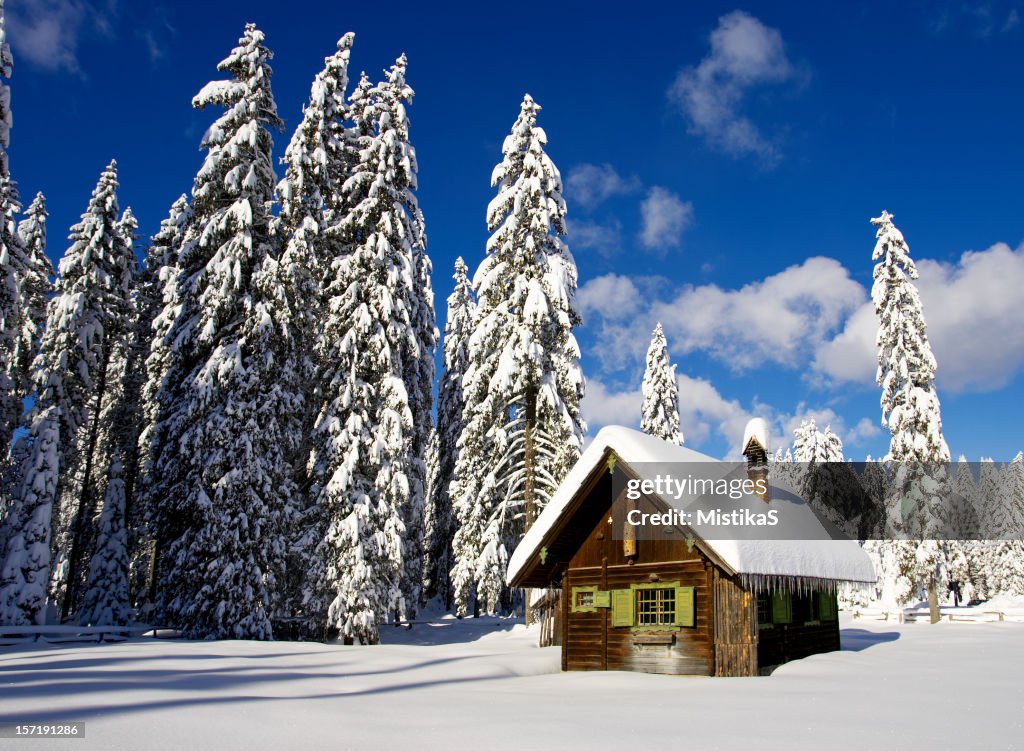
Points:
(721, 167)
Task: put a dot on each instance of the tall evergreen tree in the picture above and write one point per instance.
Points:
(318, 161)
(85, 321)
(12, 270)
(12, 262)
(910, 409)
(1007, 525)
(106, 593)
(441, 524)
(25, 572)
(660, 412)
(34, 289)
(158, 305)
(218, 465)
(100, 265)
(368, 453)
(986, 569)
(399, 181)
(523, 387)
(906, 365)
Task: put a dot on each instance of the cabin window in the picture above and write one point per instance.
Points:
(656, 607)
(584, 599)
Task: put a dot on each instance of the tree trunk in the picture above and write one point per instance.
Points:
(529, 485)
(154, 570)
(933, 600)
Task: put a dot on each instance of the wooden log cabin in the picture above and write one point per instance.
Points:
(678, 602)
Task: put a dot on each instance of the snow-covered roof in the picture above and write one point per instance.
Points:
(757, 429)
(816, 556)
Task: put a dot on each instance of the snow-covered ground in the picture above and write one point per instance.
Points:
(483, 683)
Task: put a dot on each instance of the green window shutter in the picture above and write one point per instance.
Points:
(622, 607)
(782, 607)
(827, 606)
(684, 606)
(602, 599)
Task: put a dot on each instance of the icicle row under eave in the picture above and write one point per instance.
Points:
(797, 584)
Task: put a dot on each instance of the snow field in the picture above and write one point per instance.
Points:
(484, 682)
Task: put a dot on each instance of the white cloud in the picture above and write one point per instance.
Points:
(590, 184)
(975, 324)
(781, 319)
(603, 407)
(744, 53)
(665, 218)
(46, 32)
(703, 411)
(605, 238)
(706, 415)
(851, 355)
(616, 311)
(865, 430)
(611, 296)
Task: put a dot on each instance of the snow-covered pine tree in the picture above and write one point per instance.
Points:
(11, 261)
(106, 595)
(34, 289)
(339, 236)
(965, 500)
(25, 572)
(85, 320)
(399, 180)
(910, 409)
(105, 600)
(1007, 524)
(523, 386)
(809, 443)
(906, 366)
(440, 519)
(985, 570)
(218, 467)
(12, 271)
(317, 161)
(660, 412)
(365, 458)
(158, 304)
(827, 482)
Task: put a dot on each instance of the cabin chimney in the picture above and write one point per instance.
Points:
(755, 449)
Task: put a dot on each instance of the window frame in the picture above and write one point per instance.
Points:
(577, 608)
(659, 609)
(684, 600)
